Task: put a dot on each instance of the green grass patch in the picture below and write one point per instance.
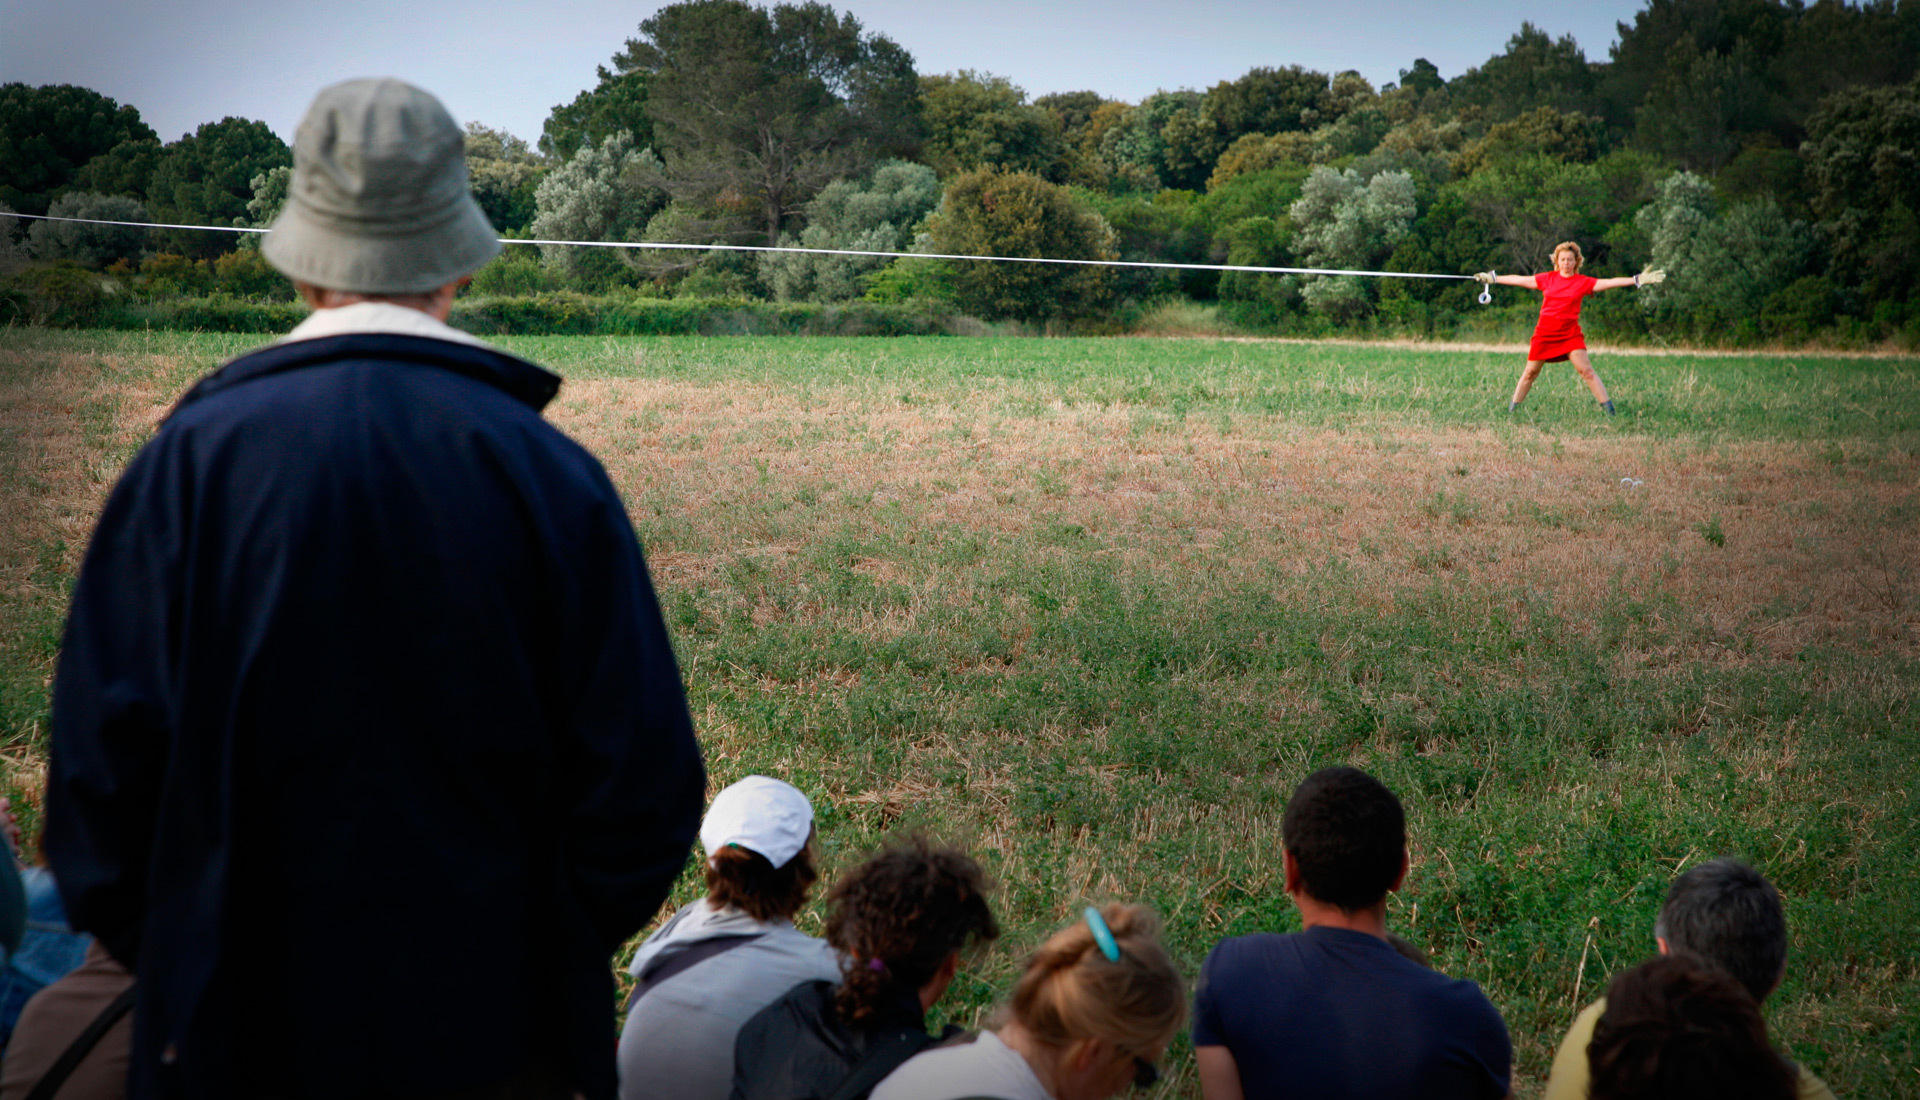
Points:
(1092, 607)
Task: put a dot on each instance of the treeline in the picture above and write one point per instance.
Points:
(1766, 153)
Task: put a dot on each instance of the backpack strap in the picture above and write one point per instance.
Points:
(668, 963)
(881, 1059)
(82, 1045)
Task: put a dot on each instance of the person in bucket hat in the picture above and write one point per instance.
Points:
(379, 203)
(368, 744)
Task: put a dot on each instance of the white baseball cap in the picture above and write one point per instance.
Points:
(761, 815)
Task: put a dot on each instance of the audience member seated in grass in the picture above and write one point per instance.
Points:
(1724, 913)
(78, 1031)
(730, 954)
(1678, 1028)
(1090, 1018)
(1334, 1010)
(899, 921)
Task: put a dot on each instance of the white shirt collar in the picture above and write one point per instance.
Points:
(377, 317)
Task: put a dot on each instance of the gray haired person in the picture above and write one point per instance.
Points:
(1725, 914)
(368, 744)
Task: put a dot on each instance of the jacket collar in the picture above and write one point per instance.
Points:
(518, 378)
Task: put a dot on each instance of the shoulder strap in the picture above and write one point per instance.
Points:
(886, 1056)
(82, 1045)
(668, 963)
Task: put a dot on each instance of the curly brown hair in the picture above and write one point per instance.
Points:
(1676, 1028)
(896, 918)
(748, 881)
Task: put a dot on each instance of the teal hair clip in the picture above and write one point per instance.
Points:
(1102, 935)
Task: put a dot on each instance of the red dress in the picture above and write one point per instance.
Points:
(1559, 329)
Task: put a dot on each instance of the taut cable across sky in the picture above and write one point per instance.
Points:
(1485, 297)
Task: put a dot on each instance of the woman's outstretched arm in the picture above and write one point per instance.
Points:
(1645, 278)
(1527, 281)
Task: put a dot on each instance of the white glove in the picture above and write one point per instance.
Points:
(1650, 278)
(1484, 277)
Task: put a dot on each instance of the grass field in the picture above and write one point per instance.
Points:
(1094, 606)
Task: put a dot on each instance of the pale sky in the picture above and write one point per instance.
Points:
(184, 62)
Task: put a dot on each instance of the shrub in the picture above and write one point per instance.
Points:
(605, 193)
(911, 280)
(222, 313)
(169, 274)
(1801, 308)
(712, 280)
(247, 274)
(91, 245)
(1722, 268)
(1259, 242)
(989, 213)
(1341, 222)
(59, 294)
(1180, 317)
(516, 271)
(876, 216)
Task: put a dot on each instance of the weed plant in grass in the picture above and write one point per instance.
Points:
(1093, 607)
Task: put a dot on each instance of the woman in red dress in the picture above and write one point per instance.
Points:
(1557, 337)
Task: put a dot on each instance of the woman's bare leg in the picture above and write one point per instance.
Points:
(1584, 365)
(1521, 387)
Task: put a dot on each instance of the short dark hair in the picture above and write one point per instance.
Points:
(1348, 833)
(1677, 1028)
(1727, 914)
(749, 882)
(896, 918)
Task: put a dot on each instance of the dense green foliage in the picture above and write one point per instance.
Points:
(91, 245)
(876, 215)
(618, 102)
(764, 107)
(48, 134)
(978, 120)
(1793, 130)
(991, 213)
(207, 178)
(605, 192)
(503, 173)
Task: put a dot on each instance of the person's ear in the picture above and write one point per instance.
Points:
(1662, 942)
(1290, 873)
(1399, 880)
(1086, 1054)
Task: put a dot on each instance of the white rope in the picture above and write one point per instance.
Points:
(136, 225)
(1250, 268)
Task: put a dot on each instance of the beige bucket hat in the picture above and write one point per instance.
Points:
(379, 202)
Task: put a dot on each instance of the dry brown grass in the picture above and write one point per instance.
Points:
(1813, 553)
(1819, 552)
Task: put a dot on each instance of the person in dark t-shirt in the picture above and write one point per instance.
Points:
(1335, 1011)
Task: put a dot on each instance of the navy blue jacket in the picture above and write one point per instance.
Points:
(368, 744)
